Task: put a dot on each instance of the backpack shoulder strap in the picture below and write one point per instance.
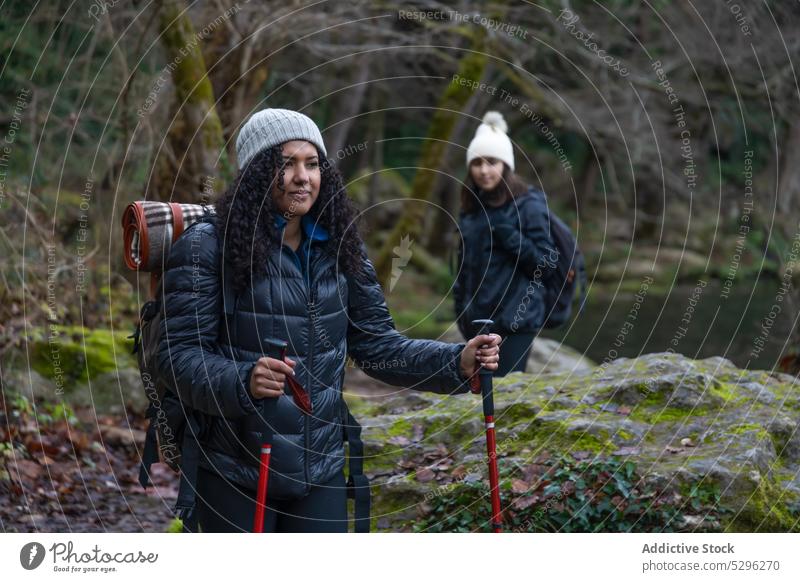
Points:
(190, 458)
(149, 454)
(357, 483)
(228, 293)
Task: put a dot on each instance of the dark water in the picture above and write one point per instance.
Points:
(737, 326)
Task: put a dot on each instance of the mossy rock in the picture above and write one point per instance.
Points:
(685, 423)
(71, 355)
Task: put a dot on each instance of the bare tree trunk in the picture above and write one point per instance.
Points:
(238, 73)
(440, 225)
(649, 208)
(351, 101)
(377, 131)
(587, 182)
(789, 184)
(454, 99)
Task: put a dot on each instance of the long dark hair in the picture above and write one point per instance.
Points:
(245, 219)
(511, 186)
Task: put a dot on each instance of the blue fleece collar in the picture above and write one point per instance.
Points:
(312, 228)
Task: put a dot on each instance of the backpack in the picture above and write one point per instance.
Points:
(175, 430)
(567, 273)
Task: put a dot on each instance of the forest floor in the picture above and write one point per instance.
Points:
(71, 470)
(78, 473)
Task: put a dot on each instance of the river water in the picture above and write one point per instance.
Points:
(748, 323)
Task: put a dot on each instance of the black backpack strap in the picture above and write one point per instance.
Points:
(150, 452)
(228, 294)
(582, 281)
(190, 457)
(357, 483)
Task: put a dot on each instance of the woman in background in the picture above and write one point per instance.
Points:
(506, 247)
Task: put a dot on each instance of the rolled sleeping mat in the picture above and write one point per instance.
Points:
(150, 227)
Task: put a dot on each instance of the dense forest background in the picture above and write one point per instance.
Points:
(664, 133)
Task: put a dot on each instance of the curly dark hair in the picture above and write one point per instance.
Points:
(247, 232)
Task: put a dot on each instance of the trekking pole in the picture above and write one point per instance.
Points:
(301, 399)
(481, 383)
(263, 477)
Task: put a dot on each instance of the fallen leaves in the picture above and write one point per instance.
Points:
(523, 503)
(425, 474)
(459, 473)
(78, 476)
(119, 436)
(520, 486)
(24, 473)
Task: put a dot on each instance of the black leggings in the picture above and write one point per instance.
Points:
(223, 506)
(514, 353)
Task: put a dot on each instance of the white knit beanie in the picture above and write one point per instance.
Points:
(491, 141)
(270, 127)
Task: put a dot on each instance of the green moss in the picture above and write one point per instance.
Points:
(397, 503)
(400, 427)
(587, 442)
(382, 463)
(175, 526)
(766, 510)
(555, 435)
(624, 434)
(650, 416)
(358, 405)
(749, 427)
(727, 391)
(745, 427)
(516, 412)
(77, 353)
(651, 397)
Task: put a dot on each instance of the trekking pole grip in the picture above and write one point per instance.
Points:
(479, 378)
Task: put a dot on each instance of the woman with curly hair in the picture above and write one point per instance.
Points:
(506, 247)
(285, 239)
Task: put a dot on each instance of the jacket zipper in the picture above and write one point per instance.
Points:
(310, 289)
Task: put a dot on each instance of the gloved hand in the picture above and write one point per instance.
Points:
(506, 235)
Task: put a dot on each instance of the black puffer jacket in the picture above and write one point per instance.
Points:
(336, 316)
(504, 258)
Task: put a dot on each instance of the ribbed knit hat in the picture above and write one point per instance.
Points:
(270, 127)
(491, 141)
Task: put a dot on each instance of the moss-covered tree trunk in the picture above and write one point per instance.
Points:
(441, 233)
(194, 137)
(440, 131)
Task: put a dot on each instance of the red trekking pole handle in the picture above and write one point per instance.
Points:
(299, 393)
(482, 378)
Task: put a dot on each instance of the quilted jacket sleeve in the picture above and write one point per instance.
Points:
(386, 354)
(531, 243)
(187, 354)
